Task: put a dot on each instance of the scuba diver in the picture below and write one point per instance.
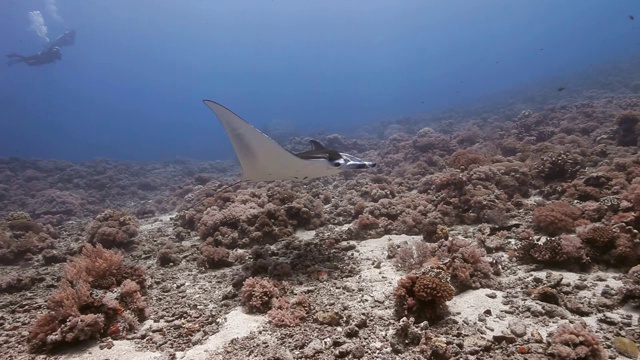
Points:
(47, 56)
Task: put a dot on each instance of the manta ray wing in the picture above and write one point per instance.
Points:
(261, 158)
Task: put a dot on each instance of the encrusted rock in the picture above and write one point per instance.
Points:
(331, 318)
(626, 347)
(351, 331)
(517, 328)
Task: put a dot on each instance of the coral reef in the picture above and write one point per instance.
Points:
(556, 218)
(98, 296)
(167, 256)
(467, 263)
(600, 237)
(16, 283)
(21, 238)
(575, 342)
(423, 296)
(55, 191)
(558, 166)
(260, 294)
(463, 159)
(249, 218)
(627, 129)
(214, 257)
(113, 228)
(631, 289)
(288, 313)
(565, 251)
(529, 211)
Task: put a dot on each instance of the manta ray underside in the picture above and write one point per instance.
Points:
(263, 159)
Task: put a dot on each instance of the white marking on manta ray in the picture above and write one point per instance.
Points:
(263, 159)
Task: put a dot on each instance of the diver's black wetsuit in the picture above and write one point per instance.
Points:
(44, 57)
(47, 56)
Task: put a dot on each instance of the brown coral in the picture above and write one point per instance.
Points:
(25, 226)
(463, 159)
(626, 251)
(366, 222)
(113, 228)
(258, 294)
(566, 251)
(556, 218)
(431, 288)
(24, 239)
(467, 264)
(18, 215)
(167, 256)
(253, 217)
(575, 342)
(288, 313)
(600, 237)
(423, 296)
(627, 131)
(16, 283)
(631, 289)
(214, 257)
(98, 296)
(558, 166)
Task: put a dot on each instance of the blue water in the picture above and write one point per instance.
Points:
(131, 87)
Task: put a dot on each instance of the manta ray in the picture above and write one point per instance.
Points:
(263, 159)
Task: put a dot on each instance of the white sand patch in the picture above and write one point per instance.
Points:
(156, 222)
(574, 277)
(122, 349)
(378, 247)
(470, 304)
(237, 325)
(303, 234)
(375, 250)
(166, 217)
(379, 281)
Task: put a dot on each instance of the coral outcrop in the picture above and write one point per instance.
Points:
(98, 296)
(423, 296)
(113, 228)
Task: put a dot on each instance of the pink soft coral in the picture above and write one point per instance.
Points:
(575, 342)
(556, 218)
